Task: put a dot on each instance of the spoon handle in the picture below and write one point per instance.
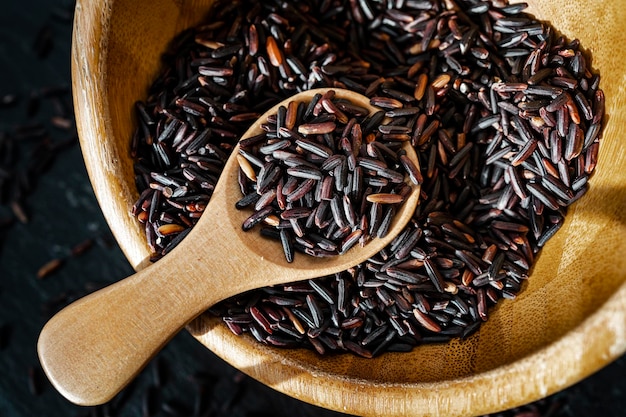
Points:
(94, 347)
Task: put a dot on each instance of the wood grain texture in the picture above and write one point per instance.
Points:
(569, 321)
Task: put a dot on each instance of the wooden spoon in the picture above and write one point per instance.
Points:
(94, 347)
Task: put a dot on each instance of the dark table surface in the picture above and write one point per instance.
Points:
(48, 211)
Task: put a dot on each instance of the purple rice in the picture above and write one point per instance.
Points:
(319, 146)
(496, 103)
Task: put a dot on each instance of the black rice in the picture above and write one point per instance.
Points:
(309, 159)
(496, 104)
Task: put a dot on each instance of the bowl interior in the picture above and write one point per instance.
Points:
(569, 321)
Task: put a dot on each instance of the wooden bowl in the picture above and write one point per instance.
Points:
(568, 322)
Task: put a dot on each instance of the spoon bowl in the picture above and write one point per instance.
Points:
(90, 360)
